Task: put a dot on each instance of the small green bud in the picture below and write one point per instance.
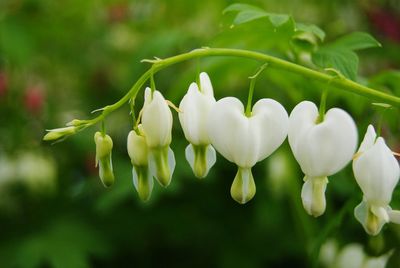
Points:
(58, 133)
(104, 147)
(243, 187)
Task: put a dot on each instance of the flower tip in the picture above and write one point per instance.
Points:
(243, 187)
(58, 133)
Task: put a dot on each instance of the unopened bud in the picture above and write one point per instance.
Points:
(58, 133)
(104, 147)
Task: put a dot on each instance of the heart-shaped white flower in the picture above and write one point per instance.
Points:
(377, 173)
(246, 140)
(157, 127)
(321, 149)
(194, 112)
(138, 153)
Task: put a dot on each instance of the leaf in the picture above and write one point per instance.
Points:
(248, 15)
(340, 54)
(357, 41)
(240, 7)
(278, 19)
(311, 28)
(345, 61)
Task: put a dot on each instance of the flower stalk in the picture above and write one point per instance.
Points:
(341, 83)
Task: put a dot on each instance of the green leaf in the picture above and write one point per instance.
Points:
(345, 61)
(356, 41)
(311, 28)
(278, 19)
(241, 7)
(248, 15)
(340, 53)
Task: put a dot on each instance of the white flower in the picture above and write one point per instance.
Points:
(377, 173)
(104, 147)
(138, 153)
(157, 127)
(156, 119)
(321, 149)
(246, 140)
(195, 108)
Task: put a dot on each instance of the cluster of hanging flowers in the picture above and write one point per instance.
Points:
(322, 143)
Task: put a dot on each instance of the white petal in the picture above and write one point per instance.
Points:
(325, 148)
(156, 120)
(224, 119)
(195, 108)
(363, 214)
(377, 173)
(394, 216)
(369, 139)
(143, 182)
(210, 159)
(274, 123)
(137, 149)
(247, 140)
(301, 119)
(351, 256)
(206, 86)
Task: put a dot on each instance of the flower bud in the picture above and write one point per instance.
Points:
(377, 173)
(104, 147)
(195, 108)
(157, 127)
(58, 133)
(138, 152)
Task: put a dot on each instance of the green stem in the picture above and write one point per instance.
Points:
(322, 106)
(273, 62)
(250, 98)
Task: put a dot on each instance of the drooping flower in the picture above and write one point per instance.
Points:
(246, 140)
(195, 108)
(377, 173)
(321, 149)
(157, 127)
(138, 153)
(104, 147)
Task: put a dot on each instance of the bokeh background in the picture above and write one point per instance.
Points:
(59, 60)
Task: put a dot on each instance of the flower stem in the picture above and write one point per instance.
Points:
(250, 97)
(322, 106)
(273, 62)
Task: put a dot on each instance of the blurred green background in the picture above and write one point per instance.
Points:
(59, 60)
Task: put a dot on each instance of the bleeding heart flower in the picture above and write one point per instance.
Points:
(138, 152)
(195, 108)
(321, 149)
(104, 147)
(377, 173)
(246, 140)
(157, 127)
